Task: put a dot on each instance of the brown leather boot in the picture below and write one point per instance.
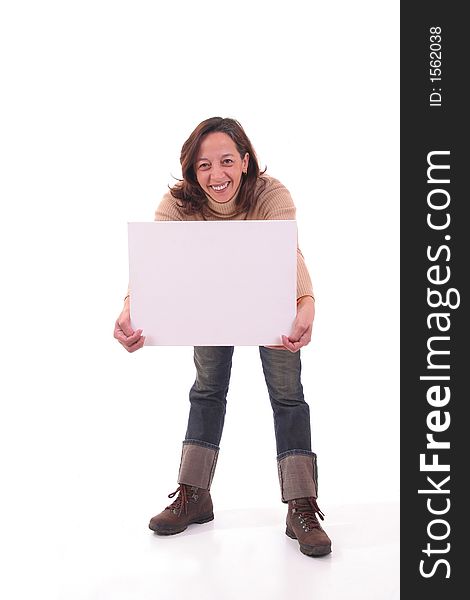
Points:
(193, 505)
(302, 525)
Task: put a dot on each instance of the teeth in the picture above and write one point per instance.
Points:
(218, 188)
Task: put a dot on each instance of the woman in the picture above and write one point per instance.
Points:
(222, 180)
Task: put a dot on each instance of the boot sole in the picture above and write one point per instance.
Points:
(310, 550)
(163, 531)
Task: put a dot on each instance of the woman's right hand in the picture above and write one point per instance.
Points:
(123, 332)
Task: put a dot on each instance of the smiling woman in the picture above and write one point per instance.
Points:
(214, 160)
(222, 180)
(220, 168)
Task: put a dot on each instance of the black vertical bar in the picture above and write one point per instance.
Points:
(434, 260)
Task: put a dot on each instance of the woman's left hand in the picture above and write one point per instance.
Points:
(302, 328)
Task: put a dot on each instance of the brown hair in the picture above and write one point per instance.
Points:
(189, 192)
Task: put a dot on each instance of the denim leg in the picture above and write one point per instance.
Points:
(208, 394)
(291, 413)
(296, 463)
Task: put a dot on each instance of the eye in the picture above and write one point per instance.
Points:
(227, 161)
(204, 165)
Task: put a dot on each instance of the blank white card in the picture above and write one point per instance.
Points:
(213, 283)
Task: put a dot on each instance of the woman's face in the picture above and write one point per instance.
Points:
(219, 166)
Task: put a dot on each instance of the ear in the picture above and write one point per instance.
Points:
(245, 162)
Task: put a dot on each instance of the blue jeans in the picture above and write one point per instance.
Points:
(282, 374)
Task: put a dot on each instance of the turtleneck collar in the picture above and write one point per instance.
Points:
(224, 209)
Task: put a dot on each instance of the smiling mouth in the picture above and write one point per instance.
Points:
(220, 188)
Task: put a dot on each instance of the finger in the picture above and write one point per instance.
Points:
(118, 330)
(135, 346)
(293, 346)
(128, 340)
(125, 325)
(131, 339)
(118, 333)
(124, 339)
(298, 331)
(288, 344)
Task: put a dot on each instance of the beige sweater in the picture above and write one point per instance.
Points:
(274, 202)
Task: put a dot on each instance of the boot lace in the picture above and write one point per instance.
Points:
(181, 502)
(307, 511)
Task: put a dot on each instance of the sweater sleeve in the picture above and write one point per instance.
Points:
(275, 202)
(168, 209)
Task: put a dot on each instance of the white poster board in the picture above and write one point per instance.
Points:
(213, 283)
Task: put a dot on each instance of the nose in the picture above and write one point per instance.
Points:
(217, 172)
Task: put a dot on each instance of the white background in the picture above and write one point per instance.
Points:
(97, 99)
